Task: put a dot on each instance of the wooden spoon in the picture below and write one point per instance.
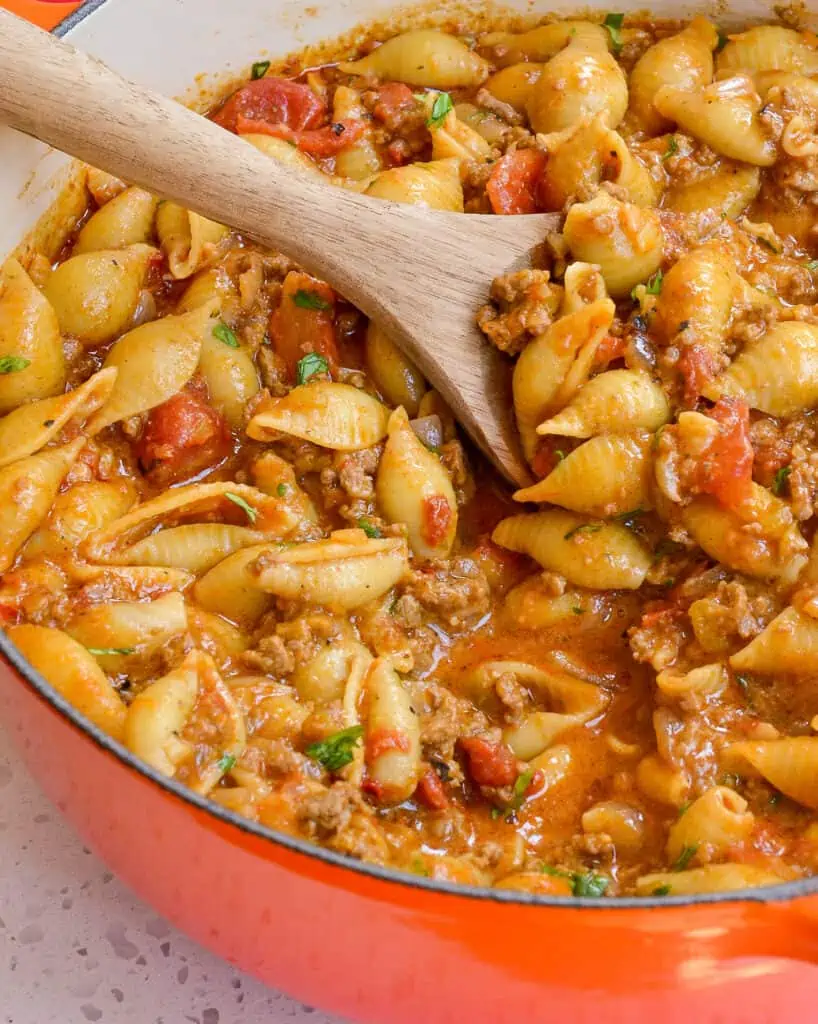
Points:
(421, 274)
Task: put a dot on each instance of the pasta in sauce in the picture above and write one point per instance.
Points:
(244, 537)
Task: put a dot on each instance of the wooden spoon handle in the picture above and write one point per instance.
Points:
(77, 104)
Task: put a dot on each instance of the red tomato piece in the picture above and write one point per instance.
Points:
(490, 764)
(394, 100)
(304, 321)
(326, 141)
(182, 437)
(430, 791)
(382, 741)
(697, 366)
(550, 452)
(610, 348)
(437, 519)
(513, 182)
(276, 100)
(726, 469)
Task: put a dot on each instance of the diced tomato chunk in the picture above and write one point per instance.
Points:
(275, 100)
(610, 348)
(513, 182)
(697, 366)
(182, 437)
(326, 141)
(430, 791)
(726, 468)
(304, 321)
(437, 519)
(394, 100)
(382, 741)
(490, 764)
(550, 452)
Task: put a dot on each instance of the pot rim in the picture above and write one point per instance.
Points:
(392, 876)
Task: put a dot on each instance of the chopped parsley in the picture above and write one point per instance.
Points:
(780, 480)
(369, 528)
(101, 651)
(521, 784)
(225, 335)
(259, 69)
(768, 244)
(310, 300)
(560, 454)
(684, 809)
(722, 41)
(577, 610)
(282, 490)
(811, 265)
(311, 364)
(613, 23)
(496, 813)
(685, 857)
(335, 752)
(654, 285)
(440, 109)
(13, 364)
(249, 511)
(225, 763)
(418, 867)
(582, 883)
(661, 890)
(667, 547)
(584, 528)
(672, 148)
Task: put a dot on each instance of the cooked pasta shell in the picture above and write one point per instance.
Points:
(231, 589)
(80, 510)
(343, 572)
(208, 286)
(623, 239)
(284, 153)
(614, 401)
(661, 782)
(724, 115)
(412, 487)
(436, 185)
(31, 427)
(125, 220)
(697, 297)
(359, 159)
(701, 682)
(189, 241)
(392, 735)
(759, 538)
(275, 475)
(543, 42)
(196, 547)
(395, 376)
(31, 354)
(575, 85)
(95, 294)
(127, 627)
(454, 140)
(423, 57)
(542, 372)
(103, 186)
(531, 605)
(27, 491)
(777, 374)
(74, 673)
(790, 764)
(231, 377)
(788, 644)
(729, 188)
(324, 676)
(684, 60)
(114, 543)
(154, 361)
(607, 475)
(714, 822)
(140, 582)
(513, 84)
(769, 48)
(603, 556)
(710, 878)
(336, 416)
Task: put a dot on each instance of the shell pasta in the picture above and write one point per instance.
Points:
(243, 535)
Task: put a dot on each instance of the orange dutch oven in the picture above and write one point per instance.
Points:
(365, 942)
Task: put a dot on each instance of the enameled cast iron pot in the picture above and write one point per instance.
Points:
(358, 940)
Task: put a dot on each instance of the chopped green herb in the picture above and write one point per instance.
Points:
(584, 528)
(310, 300)
(577, 610)
(225, 335)
(560, 454)
(661, 890)
(101, 651)
(549, 869)
(13, 364)
(335, 752)
(667, 547)
(282, 490)
(589, 884)
(249, 511)
(672, 147)
(260, 69)
(683, 326)
(440, 109)
(307, 367)
(369, 528)
(496, 813)
(768, 244)
(811, 265)
(654, 285)
(722, 41)
(225, 763)
(628, 519)
(685, 857)
(521, 784)
(683, 809)
(418, 867)
(669, 582)
(780, 480)
(613, 23)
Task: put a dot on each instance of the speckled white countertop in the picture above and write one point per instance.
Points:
(77, 946)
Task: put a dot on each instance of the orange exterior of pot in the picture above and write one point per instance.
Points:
(394, 949)
(45, 13)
